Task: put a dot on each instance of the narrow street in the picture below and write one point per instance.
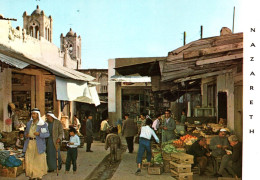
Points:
(95, 166)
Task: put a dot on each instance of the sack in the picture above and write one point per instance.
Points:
(3, 156)
(11, 161)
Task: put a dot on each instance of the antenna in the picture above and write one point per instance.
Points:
(184, 38)
(233, 28)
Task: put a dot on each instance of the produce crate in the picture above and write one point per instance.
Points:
(166, 166)
(11, 172)
(145, 165)
(228, 178)
(182, 176)
(166, 156)
(182, 158)
(180, 168)
(155, 170)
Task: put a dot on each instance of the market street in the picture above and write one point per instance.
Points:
(87, 162)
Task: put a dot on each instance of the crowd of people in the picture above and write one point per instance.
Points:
(41, 143)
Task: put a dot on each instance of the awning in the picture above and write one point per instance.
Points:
(130, 78)
(60, 71)
(71, 90)
(13, 61)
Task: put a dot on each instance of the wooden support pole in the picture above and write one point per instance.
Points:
(184, 38)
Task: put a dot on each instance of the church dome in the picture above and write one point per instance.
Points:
(70, 33)
(37, 11)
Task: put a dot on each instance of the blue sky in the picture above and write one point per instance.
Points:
(129, 28)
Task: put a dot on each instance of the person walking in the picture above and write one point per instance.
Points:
(104, 128)
(53, 142)
(145, 143)
(72, 152)
(129, 130)
(35, 146)
(89, 133)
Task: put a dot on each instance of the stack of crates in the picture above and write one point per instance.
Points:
(180, 166)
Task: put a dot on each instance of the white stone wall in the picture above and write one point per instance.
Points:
(40, 50)
(111, 87)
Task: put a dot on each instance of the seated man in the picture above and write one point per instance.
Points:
(232, 161)
(113, 142)
(218, 145)
(200, 153)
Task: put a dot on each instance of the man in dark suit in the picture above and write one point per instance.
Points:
(129, 130)
(232, 161)
(89, 133)
(168, 128)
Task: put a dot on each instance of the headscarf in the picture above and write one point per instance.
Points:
(41, 122)
(52, 115)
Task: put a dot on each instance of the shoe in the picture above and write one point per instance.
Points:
(217, 175)
(74, 172)
(89, 151)
(66, 172)
(138, 172)
(50, 170)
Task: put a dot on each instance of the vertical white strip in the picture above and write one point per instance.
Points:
(111, 86)
(251, 150)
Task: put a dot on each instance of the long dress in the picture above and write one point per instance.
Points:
(51, 151)
(35, 163)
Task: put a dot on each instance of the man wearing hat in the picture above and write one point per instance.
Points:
(218, 145)
(53, 141)
(35, 146)
(232, 160)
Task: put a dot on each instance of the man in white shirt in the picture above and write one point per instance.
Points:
(144, 143)
(156, 123)
(104, 127)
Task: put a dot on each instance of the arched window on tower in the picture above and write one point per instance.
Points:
(37, 33)
(31, 31)
(45, 33)
(48, 34)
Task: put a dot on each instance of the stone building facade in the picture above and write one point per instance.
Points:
(38, 25)
(73, 43)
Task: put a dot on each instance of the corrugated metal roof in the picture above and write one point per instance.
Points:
(13, 61)
(54, 69)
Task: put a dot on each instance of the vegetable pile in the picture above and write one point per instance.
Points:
(187, 140)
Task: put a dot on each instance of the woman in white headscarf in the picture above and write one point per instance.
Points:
(35, 146)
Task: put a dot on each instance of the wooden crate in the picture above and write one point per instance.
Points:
(155, 170)
(166, 166)
(166, 156)
(145, 165)
(180, 168)
(182, 158)
(228, 178)
(182, 176)
(11, 172)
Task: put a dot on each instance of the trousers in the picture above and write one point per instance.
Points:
(144, 145)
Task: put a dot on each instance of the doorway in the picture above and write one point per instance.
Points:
(222, 105)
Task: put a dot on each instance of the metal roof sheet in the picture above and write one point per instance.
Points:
(54, 69)
(13, 61)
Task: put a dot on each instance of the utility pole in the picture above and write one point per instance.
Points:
(184, 38)
(233, 28)
(201, 32)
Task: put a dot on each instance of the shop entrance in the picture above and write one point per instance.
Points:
(222, 105)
